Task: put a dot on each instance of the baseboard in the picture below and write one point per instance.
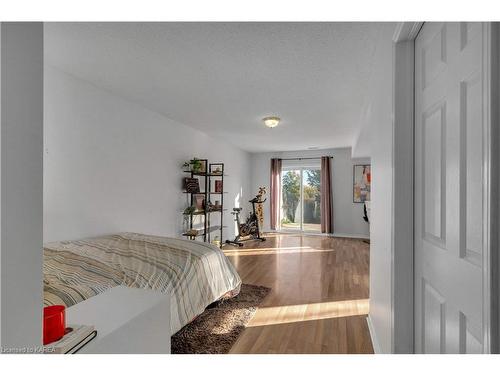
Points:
(341, 235)
(347, 235)
(375, 344)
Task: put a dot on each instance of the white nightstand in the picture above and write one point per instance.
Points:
(127, 320)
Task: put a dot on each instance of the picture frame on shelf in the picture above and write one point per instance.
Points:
(218, 186)
(199, 202)
(203, 167)
(191, 185)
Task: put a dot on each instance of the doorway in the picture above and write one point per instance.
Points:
(301, 199)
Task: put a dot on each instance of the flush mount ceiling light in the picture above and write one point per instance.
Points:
(271, 121)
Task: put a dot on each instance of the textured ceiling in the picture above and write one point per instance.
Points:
(223, 78)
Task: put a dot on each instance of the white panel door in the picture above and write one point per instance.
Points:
(450, 193)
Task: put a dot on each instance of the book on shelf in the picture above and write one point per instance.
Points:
(77, 337)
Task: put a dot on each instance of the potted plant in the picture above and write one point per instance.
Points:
(195, 165)
(189, 211)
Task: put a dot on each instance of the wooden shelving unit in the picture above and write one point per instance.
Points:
(214, 172)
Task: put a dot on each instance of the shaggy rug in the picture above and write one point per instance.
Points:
(218, 327)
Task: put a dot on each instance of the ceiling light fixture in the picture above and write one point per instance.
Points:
(271, 121)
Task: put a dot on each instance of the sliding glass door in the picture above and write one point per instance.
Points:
(300, 199)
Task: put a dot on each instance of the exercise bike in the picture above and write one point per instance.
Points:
(249, 230)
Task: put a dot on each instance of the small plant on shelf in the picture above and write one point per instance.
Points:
(189, 211)
(194, 165)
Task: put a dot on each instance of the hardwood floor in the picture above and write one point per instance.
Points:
(319, 297)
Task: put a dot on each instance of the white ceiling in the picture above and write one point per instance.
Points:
(223, 78)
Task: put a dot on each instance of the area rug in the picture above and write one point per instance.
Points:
(216, 330)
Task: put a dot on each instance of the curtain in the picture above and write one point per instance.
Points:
(275, 192)
(326, 195)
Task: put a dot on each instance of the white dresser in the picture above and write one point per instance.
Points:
(127, 320)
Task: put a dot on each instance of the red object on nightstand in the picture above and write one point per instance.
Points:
(54, 323)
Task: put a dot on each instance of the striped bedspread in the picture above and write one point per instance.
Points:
(194, 273)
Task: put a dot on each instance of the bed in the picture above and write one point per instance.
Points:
(195, 274)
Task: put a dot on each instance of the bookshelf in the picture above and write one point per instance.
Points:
(211, 214)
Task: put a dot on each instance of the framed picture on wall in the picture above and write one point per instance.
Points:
(361, 183)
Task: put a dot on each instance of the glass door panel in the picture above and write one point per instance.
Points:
(311, 200)
(291, 213)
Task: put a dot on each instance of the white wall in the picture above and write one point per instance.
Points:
(347, 216)
(21, 185)
(381, 235)
(376, 140)
(111, 165)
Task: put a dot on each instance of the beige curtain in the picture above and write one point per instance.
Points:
(326, 195)
(275, 192)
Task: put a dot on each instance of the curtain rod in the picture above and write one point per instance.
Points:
(319, 157)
